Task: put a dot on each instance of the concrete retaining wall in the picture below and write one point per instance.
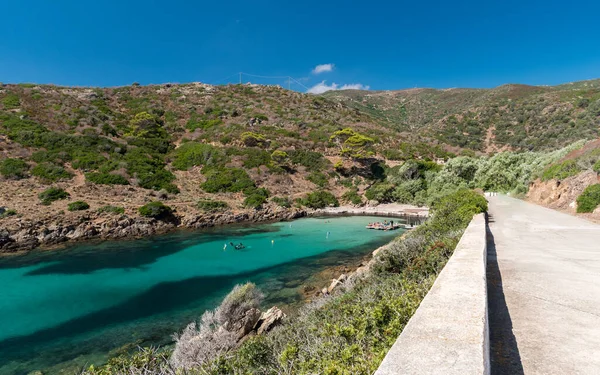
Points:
(448, 334)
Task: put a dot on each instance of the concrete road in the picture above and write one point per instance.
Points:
(544, 290)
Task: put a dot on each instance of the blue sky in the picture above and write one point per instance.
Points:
(375, 44)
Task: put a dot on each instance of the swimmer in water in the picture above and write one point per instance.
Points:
(272, 242)
(224, 247)
(327, 234)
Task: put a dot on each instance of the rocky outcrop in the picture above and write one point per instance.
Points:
(561, 195)
(268, 320)
(22, 235)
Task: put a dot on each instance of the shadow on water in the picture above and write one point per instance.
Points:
(89, 257)
(151, 317)
(504, 351)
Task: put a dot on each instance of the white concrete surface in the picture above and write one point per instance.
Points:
(448, 333)
(549, 263)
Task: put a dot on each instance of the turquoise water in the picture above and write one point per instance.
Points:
(68, 308)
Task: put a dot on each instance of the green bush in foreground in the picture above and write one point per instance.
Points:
(13, 168)
(78, 206)
(52, 194)
(589, 200)
(156, 210)
(209, 205)
(112, 210)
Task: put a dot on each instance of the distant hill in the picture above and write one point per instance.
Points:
(509, 117)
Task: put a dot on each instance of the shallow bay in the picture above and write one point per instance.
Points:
(72, 307)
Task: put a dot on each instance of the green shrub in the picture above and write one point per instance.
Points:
(106, 179)
(50, 172)
(251, 139)
(282, 202)
(6, 213)
(191, 154)
(381, 192)
(561, 171)
(202, 122)
(148, 168)
(156, 210)
(596, 167)
(255, 157)
(320, 199)
(352, 196)
(255, 198)
(52, 194)
(11, 101)
(318, 179)
(78, 206)
(209, 205)
(353, 144)
(311, 160)
(111, 210)
(589, 200)
(226, 180)
(87, 161)
(13, 168)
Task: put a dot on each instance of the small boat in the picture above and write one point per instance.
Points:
(239, 246)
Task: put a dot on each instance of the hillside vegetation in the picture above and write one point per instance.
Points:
(509, 117)
(184, 154)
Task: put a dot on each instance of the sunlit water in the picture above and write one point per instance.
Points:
(68, 308)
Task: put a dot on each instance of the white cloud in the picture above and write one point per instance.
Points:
(323, 68)
(321, 87)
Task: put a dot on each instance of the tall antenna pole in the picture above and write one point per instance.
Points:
(240, 78)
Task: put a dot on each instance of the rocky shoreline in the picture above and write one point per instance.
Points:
(21, 235)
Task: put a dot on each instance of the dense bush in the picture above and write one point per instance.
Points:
(311, 160)
(13, 168)
(191, 154)
(561, 171)
(11, 101)
(87, 161)
(351, 196)
(320, 199)
(78, 206)
(156, 210)
(318, 179)
(381, 192)
(209, 205)
(147, 168)
(224, 180)
(589, 200)
(52, 194)
(50, 172)
(353, 144)
(251, 139)
(255, 198)
(106, 179)
(111, 210)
